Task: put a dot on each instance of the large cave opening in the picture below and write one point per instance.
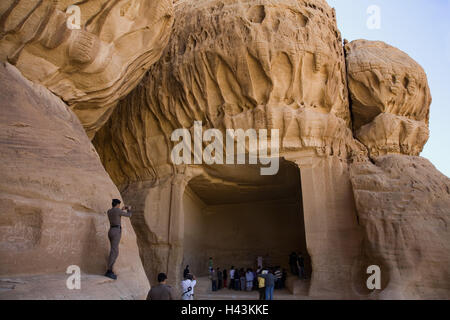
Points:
(235, 215)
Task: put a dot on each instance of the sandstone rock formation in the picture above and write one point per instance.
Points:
(246, 64)
(90, 68)
(403, 204)
(390, 98)
(350, 190)
(54, 194)
(240, 65)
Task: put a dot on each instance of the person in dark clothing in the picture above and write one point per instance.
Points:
(219, 279)
(301, 266)
(278, 275)
(255, 280)
(214, 279)
(162, 291)
(237, 280)
(242, 279)
(115, 233)
(225, 277)
(293, 263)
(186, 272)
(232, 272)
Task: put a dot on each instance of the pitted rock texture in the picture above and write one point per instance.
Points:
(237, 65)
(54, 194)
(403, 204)
(241, 65)
(390, 98)
(232, 64)
(90, 68)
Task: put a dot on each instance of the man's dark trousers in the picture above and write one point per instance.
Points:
(114, 235)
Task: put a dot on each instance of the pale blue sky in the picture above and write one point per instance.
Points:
(422, 30)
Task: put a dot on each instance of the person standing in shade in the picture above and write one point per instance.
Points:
(262, 286)
(278, 276)
(115, 233)
(210, 264)
(162, 291)
(301, 266)
(237, 281)
(187, 286)
(214, 279)
(270, 284)
(219, 279)
(249, 279)
(232, 271)
(186, 271)
(293, 263)
(242, 278)
(225, 278)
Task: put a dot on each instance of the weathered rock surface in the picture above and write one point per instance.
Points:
(90, 68)
(403, 204)
(390, 98)
(54, 194)
(240, 65)
(237, 65)
(350, 192)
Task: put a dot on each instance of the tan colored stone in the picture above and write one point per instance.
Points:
(390, 98)
(249, 64)
(89, 68)
(240, 65)
(237, 65)
(403, 204)
(54, 194)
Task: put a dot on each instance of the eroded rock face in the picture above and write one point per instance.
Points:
(259, 64)
(390, 98)
(90, 68)
(54, 194)
(403, 204)
(238, 65)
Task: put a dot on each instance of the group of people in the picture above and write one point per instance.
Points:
(264, 280)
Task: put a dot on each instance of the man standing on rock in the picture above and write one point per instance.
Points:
(114, 234)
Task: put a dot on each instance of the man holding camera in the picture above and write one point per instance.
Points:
(115, 232)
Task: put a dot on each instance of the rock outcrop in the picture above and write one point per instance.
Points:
(348, 121)
(403, 204)
(241, 65)
(54, 194)
(390, 98)
(237, 65)
(91, 67)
